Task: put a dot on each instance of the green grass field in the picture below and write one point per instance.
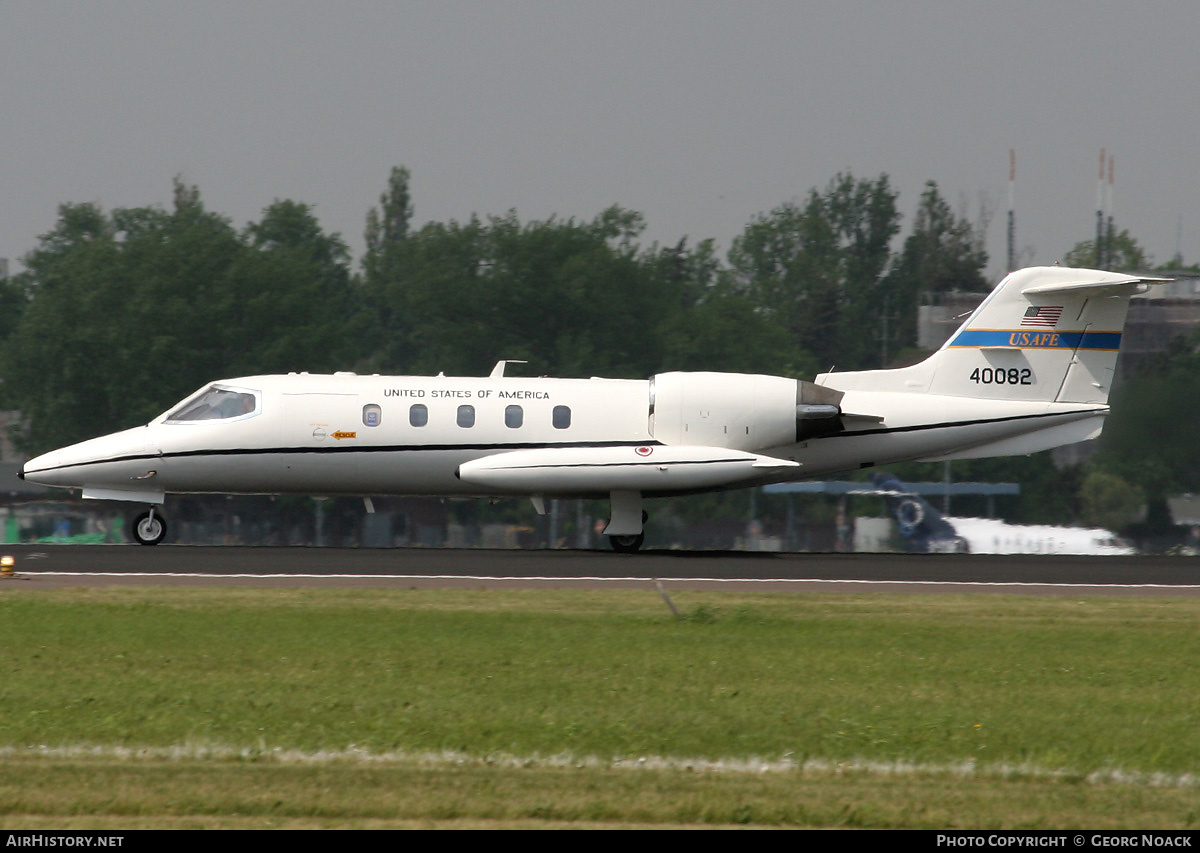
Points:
(225, 707)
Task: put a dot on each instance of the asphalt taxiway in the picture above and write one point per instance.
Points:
(50, 566)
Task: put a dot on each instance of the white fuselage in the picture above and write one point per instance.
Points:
(381, 435)
(310, 436)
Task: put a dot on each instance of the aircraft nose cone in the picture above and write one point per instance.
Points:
(120, 466)
(40, 468)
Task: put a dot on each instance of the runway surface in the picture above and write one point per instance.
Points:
(57, 566)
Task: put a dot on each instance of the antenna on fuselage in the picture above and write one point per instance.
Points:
(498, 370)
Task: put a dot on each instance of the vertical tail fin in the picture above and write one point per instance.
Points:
(1044, 334)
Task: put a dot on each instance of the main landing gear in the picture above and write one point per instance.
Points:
(624, 529)
(627, 544)
(149, 528)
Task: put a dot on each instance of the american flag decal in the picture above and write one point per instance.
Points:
(1046, 315)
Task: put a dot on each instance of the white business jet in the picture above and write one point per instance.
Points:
(1029, 370)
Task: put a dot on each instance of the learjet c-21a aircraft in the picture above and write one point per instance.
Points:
(1029, 370)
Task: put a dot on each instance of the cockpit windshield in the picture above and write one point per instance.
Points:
(216, 403)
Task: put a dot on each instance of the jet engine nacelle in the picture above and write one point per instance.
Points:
(743, 411)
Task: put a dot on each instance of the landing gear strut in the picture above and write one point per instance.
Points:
(624, 529)
(149, 528)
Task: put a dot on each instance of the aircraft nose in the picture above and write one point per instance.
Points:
(111, 459)
(49, 469)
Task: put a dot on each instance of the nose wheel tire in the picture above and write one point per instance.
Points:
(149, 528)
(627, 544)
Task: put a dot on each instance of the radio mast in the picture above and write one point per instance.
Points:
(1108, 204)
(1012, 217)
(1100, 215)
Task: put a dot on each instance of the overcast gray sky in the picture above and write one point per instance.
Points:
(697, 114)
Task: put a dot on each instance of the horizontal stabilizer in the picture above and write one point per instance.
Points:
(1093, 286)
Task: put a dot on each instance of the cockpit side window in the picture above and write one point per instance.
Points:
(216, 403)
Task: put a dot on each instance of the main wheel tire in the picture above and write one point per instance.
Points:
(149, 528)
(627, 544)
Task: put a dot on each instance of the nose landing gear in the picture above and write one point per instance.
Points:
(149, 528)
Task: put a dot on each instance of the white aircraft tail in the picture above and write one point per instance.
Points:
(1048, 334)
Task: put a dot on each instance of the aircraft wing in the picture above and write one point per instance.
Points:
(647, 467)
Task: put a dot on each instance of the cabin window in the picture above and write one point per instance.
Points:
(372, 415)
(216, 404)
(466, 416)
(561, 417)
(514, 416)
(418, 415)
